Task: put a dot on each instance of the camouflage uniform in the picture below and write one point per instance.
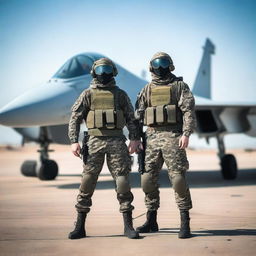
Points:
(114, 147)
(163, 144)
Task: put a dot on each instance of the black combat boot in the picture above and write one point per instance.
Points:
(128, 227)
(150, 225)
(79, 231)
(184, 224)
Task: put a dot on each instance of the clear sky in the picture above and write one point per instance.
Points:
(37, 37)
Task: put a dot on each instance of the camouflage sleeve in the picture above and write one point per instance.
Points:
(131, 122)
(187, 105)
(141, 103)
(78, 111)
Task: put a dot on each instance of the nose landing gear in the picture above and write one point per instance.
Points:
(44, 169)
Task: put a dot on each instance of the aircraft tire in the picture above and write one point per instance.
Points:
(28, 168)
(48, 170)
(229, 167)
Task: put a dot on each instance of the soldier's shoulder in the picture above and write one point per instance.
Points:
(86, 92)
(79, 101)
(181, 84)
(117, 88)
(121, 92)
(146, 86)
(144, 90)
(122, 95)
(181, 87)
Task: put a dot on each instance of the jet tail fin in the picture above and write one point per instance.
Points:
(202, 85)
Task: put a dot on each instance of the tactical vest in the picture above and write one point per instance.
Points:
(163, 107)
(105, 118)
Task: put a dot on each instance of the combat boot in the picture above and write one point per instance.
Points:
(128, 226)
(150, 225)
(79, 231)
(184, 224)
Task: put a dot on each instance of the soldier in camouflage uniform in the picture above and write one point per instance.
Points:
(166, 105)
(106, 109)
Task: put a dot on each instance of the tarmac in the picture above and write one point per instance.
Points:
(36, 216)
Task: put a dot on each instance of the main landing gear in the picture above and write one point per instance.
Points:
(44, 169)
(227, 161)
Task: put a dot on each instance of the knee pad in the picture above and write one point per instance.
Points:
(122, 184)
(179, 185)
(147, 183)
(88, 183)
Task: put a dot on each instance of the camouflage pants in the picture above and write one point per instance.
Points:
(162, 146)
(119, 164)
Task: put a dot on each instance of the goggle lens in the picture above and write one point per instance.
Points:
(99, 70)
(160, 62)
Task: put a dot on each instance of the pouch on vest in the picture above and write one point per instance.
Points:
(90, 120)
(171, 113)
(160, 114)
(150, 116)
(110, 119)
(98, 115)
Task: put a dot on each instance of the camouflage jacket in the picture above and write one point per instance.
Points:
(82, 106)
(186, 103)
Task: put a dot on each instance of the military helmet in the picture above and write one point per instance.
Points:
(162, 55)
(103, 62)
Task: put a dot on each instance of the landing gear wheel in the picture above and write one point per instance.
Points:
(48, 170)
(228, 167)
(28, 168)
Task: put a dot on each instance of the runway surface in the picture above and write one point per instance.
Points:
(36, 216)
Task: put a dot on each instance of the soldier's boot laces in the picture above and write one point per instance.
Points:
(184, 225)
(79, 231)
(128, 226)
(150, 225)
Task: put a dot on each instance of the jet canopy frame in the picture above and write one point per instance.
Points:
(79, 65)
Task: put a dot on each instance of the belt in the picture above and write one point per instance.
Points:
(105, 132)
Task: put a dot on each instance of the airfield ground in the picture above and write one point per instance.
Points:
(36, 216)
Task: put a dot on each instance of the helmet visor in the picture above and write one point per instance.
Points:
(160, 62)
(107, 69)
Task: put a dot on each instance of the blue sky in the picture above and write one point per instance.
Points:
(37, 37)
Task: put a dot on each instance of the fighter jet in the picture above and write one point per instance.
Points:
(42, 113)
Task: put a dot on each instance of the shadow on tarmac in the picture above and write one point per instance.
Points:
(196, 179)
(140, 237)
(231, 232)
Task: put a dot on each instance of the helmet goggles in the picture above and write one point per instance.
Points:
(160, 62)
(107, 69)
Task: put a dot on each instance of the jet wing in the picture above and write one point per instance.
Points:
(225, 117)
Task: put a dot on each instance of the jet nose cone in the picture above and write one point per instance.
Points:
(43, 105)
(8, 114)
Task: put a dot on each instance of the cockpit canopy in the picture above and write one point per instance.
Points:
(77, 66)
